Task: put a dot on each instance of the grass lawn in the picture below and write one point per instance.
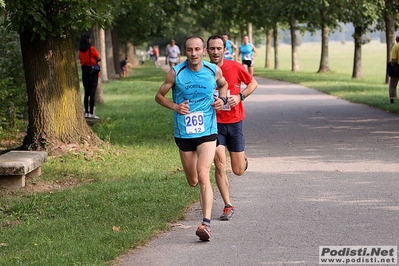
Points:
(87, 207)
(129, 190)
(370, 90)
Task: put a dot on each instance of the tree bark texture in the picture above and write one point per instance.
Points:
(268, 59)
(96, 41)
(294, 48)
(357, 59)
(389, 31)
(110, 55)
(324, 64)
(115, 52)
(54, 100)
(276, 45)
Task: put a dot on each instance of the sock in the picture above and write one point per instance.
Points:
(206, 221)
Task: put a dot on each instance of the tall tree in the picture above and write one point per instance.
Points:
(363, 14)
(55, 110)
(325, 18)
(388, 24)
(293, 13)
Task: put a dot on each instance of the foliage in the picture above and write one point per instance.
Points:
(47, 18)
(137, 21)
(13, 96)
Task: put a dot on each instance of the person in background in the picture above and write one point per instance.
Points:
(393, 80)
(142, 56)
(230, 120)
(156, 55)
(248, 53)
(172, 52)
(193, 84)
(88, 56)
(123, 67)
(231, 48)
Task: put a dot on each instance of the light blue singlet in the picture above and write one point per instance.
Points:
(229, 50)
(246, 51)
(198, 88)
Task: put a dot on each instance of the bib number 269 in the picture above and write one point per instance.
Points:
(195, 122)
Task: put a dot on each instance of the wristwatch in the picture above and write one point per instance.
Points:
(242, 97)
(224, 99)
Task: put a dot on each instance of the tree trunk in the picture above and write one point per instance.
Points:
(357, 60)
(249, 27)
(110, 55)
(389, 32)
(294, 48)
(115, 52)
(55, 105)
(131, 53)
(268, 59)
(276, 44)
(96, 41)
(103, 54)
(324, 50)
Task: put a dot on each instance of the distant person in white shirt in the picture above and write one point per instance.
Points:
(172, 54)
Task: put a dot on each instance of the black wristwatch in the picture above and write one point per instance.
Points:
(242, 97)
(224, 99)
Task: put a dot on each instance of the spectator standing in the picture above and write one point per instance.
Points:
(394, 78)
(123, 67)
(156, 55)
(142, 56)
(88, 56)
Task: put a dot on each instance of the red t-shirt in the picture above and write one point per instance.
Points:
(234, 73)
(84, 56)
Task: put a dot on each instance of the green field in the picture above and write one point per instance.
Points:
(340, 58)
(370, 90)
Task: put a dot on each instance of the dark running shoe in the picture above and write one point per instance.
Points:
(204, 232)
(228, 213)
(246, 164)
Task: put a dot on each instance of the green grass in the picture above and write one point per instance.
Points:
(370, 90)
(136, 183)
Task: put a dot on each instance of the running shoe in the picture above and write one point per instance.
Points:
(246, 164)
(204, 232)
(228, 213)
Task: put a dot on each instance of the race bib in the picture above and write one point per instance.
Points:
(194, 122)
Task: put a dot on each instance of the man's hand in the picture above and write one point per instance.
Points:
(217, 104)
(182, 108)
(233, 100)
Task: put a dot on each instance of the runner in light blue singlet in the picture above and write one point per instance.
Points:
(229, 50)
(246, 51)
(198, 87)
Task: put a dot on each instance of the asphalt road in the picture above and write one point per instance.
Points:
(322, 172)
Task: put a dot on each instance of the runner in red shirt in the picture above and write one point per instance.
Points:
(230, 120)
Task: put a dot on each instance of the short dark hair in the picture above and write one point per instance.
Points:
(194, 37)
(215, 37)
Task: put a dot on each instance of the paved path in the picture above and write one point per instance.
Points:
(322, 171)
